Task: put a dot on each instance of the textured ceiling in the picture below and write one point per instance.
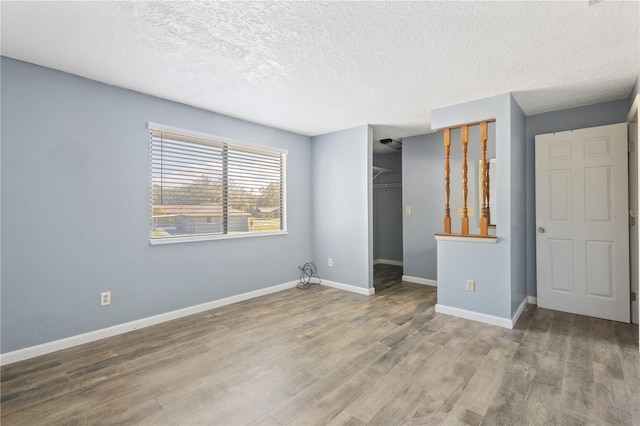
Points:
(317, 67)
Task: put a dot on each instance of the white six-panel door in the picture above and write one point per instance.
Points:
(582, 244)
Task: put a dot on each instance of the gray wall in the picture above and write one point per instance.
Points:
(518, 205)
(492, 266)
(423, 181)
(557, 121)
(423, 162)
(634, 91)
(387, 209)
(422, 190)
(75, 210)
(342, 206)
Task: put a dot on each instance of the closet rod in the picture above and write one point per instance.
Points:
(387, 185)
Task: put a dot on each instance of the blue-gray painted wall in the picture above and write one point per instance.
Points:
(557, 121)
(387, 208)
(423, 192)
(492, 266)
(518, 206)
(422, 183)
(74, 206)
(342, 204)
(75, 210)
(634, 91)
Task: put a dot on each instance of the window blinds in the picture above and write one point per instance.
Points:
(204, 187)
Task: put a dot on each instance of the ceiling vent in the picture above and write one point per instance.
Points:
(392, 143)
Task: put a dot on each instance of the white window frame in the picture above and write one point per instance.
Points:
(220, 139)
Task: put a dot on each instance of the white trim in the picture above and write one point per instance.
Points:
(190, 239)
(466, 239)
(484, 318)
(632, 117)
(516, 316)
(474, 316)
(532, 299)
(387, 262)
(283, 191)
(68, 342)
(348, 287)
(418, 280)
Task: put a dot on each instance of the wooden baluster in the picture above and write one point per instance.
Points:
(484, 221)
(447, 152)
(464, 138)
(486, 192)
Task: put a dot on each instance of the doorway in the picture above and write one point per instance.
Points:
(387, 219)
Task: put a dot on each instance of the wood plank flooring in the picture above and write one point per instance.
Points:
(325, 356)
(386, 276)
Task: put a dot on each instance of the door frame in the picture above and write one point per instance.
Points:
(633, 117)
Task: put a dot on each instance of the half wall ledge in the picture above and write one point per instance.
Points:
(467, 238)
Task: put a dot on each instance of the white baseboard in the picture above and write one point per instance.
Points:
(418, 280)
(480, 317)
(348, 287)
(532, 299)
(515, 317)
(387, 262)
(475, 316)
(68, 342)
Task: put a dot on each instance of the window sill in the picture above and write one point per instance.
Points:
(176, 240)
(467, 238)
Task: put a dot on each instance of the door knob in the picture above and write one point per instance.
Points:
(541, 230)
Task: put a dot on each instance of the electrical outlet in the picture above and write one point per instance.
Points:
(105, 298)
(407, 210)
(330, 262)
(471, 285)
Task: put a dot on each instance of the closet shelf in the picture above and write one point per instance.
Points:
(388, 185)
(377, 171)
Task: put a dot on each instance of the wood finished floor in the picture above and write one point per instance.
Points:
(325, 356)
(386, 276)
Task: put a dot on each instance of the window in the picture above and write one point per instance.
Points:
(205, 187)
